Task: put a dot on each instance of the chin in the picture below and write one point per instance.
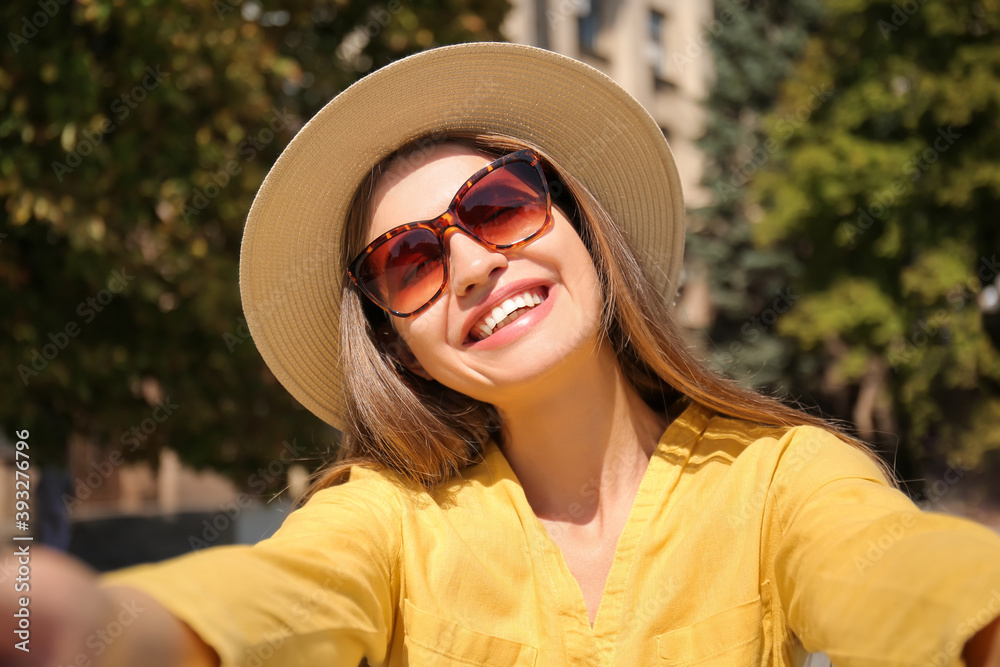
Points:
(538, 367)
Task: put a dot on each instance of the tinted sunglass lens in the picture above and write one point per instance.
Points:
(406, 271)
(506, 205)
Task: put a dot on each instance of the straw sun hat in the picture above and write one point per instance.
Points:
(291, 266)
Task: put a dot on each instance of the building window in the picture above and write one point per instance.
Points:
(589, 24)
(655, 51)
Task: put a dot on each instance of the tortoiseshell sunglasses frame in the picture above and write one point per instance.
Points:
(449, 219)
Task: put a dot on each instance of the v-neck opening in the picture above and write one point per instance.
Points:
(678, 433)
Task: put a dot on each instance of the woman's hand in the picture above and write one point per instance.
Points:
(74, 622)
(64, 608)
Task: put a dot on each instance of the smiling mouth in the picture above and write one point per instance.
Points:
(506, 312)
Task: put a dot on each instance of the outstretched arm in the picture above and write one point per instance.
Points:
(157, 638)
(322, 590)
(72, 620)
(867, 577)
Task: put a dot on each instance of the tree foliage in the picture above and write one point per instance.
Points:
(754, 47)
(133, 136)
(890, 195)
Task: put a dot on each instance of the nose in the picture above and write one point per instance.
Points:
(470, 263)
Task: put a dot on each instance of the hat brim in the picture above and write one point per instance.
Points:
(291, 277)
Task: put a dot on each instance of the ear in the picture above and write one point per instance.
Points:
(390, 342)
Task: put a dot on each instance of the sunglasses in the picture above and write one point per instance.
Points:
(504, 205)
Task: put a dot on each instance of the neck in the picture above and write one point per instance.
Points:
(582, 444)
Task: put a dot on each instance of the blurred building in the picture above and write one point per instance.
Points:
(112, 514)
(658, 51)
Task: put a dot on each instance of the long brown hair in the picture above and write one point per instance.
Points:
(428, 433)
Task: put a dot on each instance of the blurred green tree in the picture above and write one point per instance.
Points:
(133, 136)
(754, 47)
(890, 194)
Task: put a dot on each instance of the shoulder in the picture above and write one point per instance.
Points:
(378, 490)
(708, 437)
(783, 454)
(369, 494)
(727, 438)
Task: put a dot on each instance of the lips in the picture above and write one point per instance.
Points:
(506, 312)
(507, 305)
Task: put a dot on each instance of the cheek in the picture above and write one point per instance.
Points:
(425, 336)
(594, 304)
(583, 274)
(591, 300)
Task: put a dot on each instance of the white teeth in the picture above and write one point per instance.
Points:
(507, 312)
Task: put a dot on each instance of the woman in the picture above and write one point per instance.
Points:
(464, 262)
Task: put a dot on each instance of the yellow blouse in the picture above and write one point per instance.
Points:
(746, 545)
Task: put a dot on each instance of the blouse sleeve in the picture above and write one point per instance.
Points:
(322, 590)
(862, 573)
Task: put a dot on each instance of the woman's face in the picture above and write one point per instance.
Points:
(542, 340)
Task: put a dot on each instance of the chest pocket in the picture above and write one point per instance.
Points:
(431, 640)
(730, 637)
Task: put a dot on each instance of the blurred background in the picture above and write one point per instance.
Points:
(840, 159)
